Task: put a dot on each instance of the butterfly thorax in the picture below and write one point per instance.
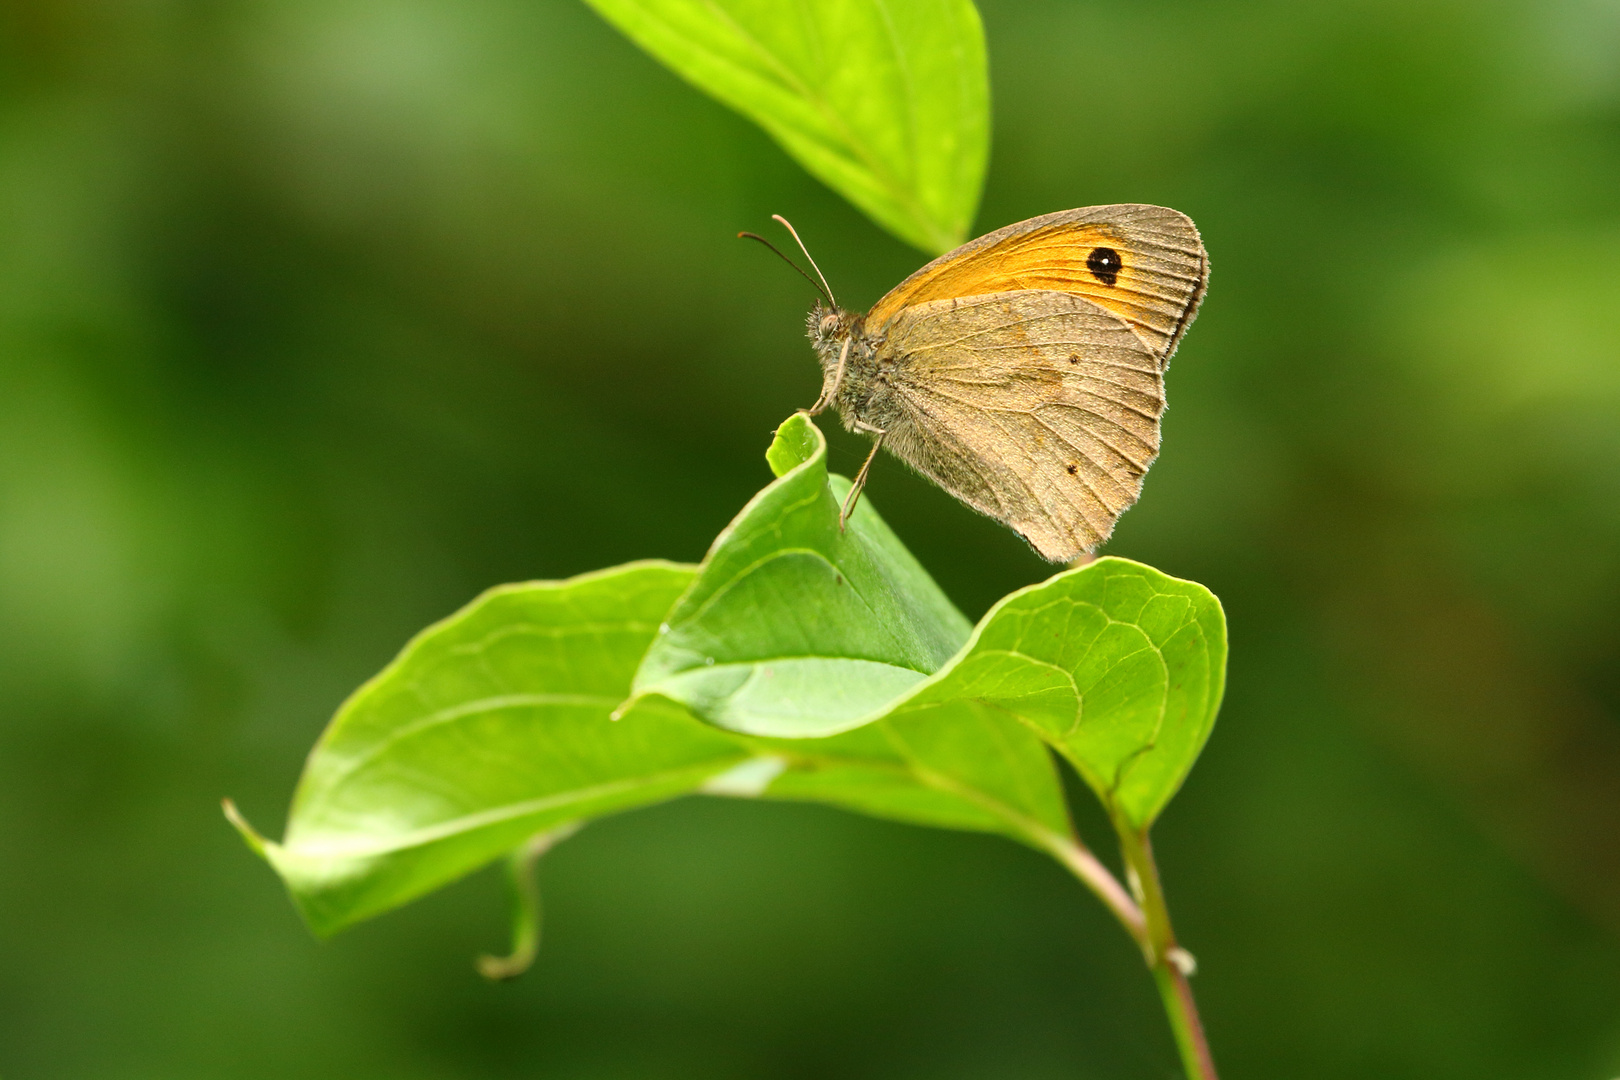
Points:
(856, 379)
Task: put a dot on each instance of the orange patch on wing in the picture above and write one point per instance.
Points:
(1054, 257)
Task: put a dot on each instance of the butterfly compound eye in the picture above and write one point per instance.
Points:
(1104, 264)
(829, 323)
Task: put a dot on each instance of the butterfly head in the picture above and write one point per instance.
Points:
(830, 326)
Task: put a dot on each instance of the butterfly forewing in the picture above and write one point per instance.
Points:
(1144, 264)
(1040, 408)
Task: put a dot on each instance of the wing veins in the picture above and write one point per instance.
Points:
(1034, 414)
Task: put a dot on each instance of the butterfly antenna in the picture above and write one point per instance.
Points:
(818, 286)
(788, 225)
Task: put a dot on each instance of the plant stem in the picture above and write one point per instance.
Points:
(520, 868)
(1080, 862)
(1179, 1006)
(1170, 963)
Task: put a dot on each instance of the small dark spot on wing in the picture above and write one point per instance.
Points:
(1104, 264)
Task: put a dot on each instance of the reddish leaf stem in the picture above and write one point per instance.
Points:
(1170, 963)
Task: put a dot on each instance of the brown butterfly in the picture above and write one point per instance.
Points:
(1023, 372)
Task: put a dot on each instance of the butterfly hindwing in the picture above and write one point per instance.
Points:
(1039, 408)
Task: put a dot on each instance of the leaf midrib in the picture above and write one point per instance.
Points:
(499, 815)
(333, 781)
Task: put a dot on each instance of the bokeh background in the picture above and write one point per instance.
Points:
(319, 316)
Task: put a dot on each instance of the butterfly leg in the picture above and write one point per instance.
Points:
(860, 478)
(829, 392)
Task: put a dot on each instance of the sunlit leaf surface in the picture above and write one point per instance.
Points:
(1118, 666)
(797, 662)
(494, 725)
(794, 629)
(885, 101)
(490, 727)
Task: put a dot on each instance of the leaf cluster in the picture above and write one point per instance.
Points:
(797, 661)
(802, 659)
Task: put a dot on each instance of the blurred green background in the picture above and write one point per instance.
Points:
(316, 318)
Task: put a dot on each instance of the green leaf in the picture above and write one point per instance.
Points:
(885, 101)
(792, 629)
(1118, 666)
(982, 773)
(490, 727)
(493, 726)
(797, 628)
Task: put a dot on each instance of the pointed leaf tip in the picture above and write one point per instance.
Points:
(797, 441)
(249, 834)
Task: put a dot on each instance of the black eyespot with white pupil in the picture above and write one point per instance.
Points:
(1104, 264)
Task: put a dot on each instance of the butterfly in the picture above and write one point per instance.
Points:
(1023, 372)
